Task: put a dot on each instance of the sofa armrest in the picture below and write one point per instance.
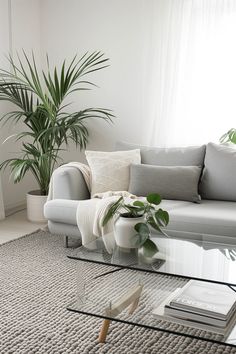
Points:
(69, 183)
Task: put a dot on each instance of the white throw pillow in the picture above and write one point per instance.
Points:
(110, 170)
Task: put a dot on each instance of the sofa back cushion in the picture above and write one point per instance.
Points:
(110, 170)
(171, 182)
(219, 174)
(179, 156)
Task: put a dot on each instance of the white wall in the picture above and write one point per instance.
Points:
(120, 29)
(24, 33)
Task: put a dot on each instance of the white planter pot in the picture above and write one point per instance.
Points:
(35, 205)
(124, 231)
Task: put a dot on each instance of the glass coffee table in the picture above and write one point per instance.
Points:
(125, 286)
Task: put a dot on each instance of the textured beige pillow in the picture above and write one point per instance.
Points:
(110, 170)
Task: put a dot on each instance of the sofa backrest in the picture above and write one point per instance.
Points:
(218, 180)
(177, 156)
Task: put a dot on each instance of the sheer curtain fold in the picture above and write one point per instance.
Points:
(191, 75)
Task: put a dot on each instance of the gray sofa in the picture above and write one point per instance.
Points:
(214, 215)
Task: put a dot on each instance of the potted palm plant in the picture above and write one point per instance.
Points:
(134, 221)
(39, 97)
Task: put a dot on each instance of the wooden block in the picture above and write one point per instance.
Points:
(131, 296)
(103, 331)
(133, 306)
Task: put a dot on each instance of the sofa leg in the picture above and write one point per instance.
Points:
(66, 238)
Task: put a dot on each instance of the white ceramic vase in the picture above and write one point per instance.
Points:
(124, 231)
(35, 205)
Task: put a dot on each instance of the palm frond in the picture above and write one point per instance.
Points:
(230, 136)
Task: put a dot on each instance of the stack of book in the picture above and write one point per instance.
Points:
(204, 305)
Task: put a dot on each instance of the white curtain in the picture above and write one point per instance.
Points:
(191, 72)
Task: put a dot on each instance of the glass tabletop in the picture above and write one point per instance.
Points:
(197, 257)
(134, 288)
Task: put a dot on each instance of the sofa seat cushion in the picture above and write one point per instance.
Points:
(61, 210)
(169, 205)
(208, 217)
(64, 211)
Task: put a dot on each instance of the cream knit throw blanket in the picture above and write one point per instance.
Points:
(90, 212)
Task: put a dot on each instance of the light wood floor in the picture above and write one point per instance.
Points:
(17, 225)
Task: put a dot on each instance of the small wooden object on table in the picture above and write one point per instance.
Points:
(131, 297)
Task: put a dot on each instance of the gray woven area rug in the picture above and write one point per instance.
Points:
(37, 282)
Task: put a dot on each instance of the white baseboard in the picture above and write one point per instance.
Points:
(14, 208)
